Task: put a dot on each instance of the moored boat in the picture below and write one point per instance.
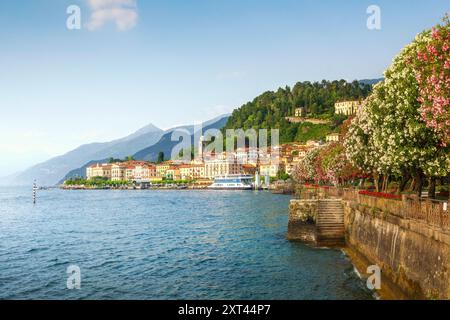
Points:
(232, 182)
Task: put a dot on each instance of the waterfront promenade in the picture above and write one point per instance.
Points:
(407, 237)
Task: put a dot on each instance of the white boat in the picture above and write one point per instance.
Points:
(232, 182)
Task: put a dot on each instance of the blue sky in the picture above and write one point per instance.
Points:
(175, 62)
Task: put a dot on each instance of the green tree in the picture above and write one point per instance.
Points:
(270, 109)
(160, 157)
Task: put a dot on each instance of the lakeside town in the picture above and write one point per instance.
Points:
(117, 185)
(275, 163)
(375, 184)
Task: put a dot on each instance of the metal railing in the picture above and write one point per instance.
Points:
(433, 212)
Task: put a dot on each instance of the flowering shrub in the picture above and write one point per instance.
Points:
(380, 194)
(403, 129)
(327, 164)
(389, 135)
(305, 171)
(432, 70)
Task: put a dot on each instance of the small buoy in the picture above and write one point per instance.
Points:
(34, 192)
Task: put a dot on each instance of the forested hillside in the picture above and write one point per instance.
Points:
(270, 109)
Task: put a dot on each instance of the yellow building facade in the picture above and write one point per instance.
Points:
(192, 171)
(98, 170)
(270, 169)
(214, 168)
(118, 172)
(347, 107)
(161, 169)
(333, 137)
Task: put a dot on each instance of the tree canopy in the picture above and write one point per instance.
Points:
(403, 129)
(269, 110)
(397, 133)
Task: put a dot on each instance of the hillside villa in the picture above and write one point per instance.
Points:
(347, 108)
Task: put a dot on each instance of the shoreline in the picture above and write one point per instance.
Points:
(388, 290)
(172, 187)
(74, 188)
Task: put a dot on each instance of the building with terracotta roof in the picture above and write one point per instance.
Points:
(249, 169)
(161, 169)
(173, 173)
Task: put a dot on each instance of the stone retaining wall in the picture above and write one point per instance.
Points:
(413, 254)
(408, 239)
(302, 217)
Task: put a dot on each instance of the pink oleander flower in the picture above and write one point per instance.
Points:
(432, 50)
(433, 78)
(435, 34)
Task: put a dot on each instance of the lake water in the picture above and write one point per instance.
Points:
(162, 245)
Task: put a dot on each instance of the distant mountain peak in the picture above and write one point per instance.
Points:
(51, 171)
(165, 145)
(150, 128)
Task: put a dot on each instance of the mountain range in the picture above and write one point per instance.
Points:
(266, 111)
(144, 144)
(51, 171)
(165, 145)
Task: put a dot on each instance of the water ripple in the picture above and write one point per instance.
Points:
(162, 245)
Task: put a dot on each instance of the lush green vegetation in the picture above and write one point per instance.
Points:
(269, 110)
(97, 182)
(283, 176)
(303, 132)
(115, 160)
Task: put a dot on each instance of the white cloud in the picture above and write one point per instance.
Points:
(121, 12)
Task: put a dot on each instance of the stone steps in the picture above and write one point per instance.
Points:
(331, 216)
(330, 222)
